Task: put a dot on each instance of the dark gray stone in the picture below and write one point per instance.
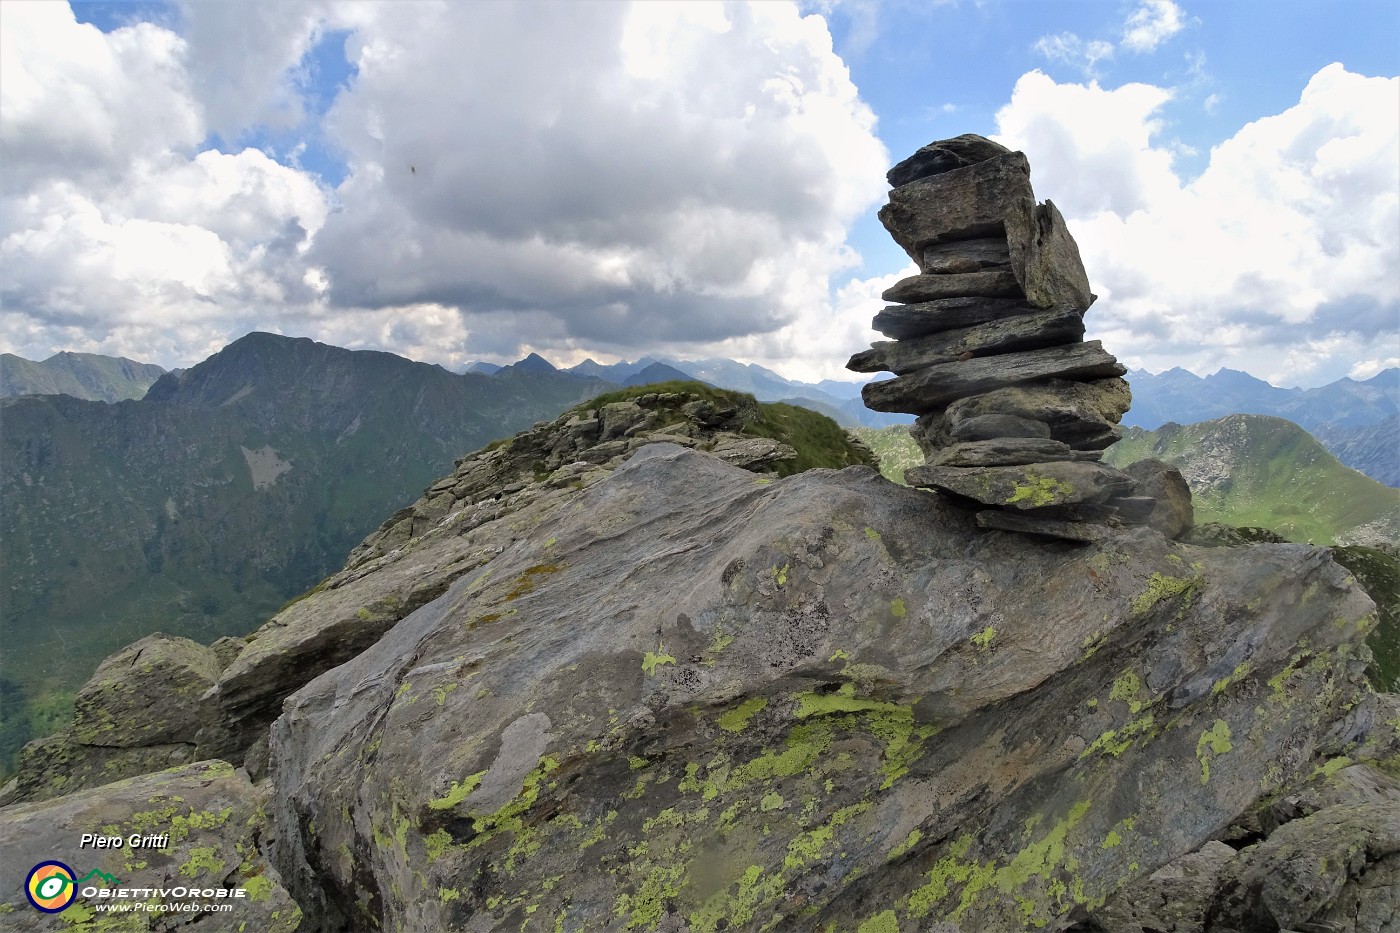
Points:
(963, 204)
(1023, 332)
(1030, 486)
(997, 283)
(1084, 415)
(929, 389)
(944, 155)
(985, 427)
(1175, 898)
(1046, 259)
(147, 694)
(966, 256)
(1085, 532)
(1173, 513)
(1002, 451)
(905, 321)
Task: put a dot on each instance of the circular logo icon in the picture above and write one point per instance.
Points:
(50, 887)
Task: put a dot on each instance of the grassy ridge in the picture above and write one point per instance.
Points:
(894, 447)
(1264, 472)
(819, 441)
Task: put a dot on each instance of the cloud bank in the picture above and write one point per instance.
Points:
(611, 179)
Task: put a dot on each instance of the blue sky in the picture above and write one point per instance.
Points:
(478, 181)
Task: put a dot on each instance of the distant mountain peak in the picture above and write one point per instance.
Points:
(534, 363)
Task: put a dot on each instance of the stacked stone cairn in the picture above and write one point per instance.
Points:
(1014, 407)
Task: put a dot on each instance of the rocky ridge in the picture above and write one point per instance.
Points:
(1014, 407)
(197, 702)
(714, 698)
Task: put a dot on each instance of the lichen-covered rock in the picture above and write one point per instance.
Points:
(59, 764)
(1316, 873)
(211, 819)
(1029, 486)
(696, 699)
(146, 694)
(1173, 899)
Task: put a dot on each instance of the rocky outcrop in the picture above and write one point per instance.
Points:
(824, 702)
(141, 711)
(208, 822)
(988, 348)
(165, 701)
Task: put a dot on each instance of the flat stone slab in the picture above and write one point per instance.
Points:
(1007, 451)
(986, 427)
(1031, 486)
(903, 322)
(1086, 532)
(1023, 332)
(930, 389)
(990, 284)
(966, 256)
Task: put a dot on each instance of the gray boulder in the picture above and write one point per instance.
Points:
(146, 694)
(1173, 899)
(1172, 514)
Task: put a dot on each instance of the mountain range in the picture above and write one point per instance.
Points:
(81, 375)
(229, 488)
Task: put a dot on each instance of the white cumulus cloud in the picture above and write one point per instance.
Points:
(1282, 257)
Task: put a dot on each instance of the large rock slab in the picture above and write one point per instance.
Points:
(1005, 451)
(699, 699)
(1084, 415)
(1022, 332)
(962, 204)
(944, 155)
(1029, 486)
(986, 284)
(934, 387)
(211, 819)
(917, 320)
(146, 694)
(1046, 259)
